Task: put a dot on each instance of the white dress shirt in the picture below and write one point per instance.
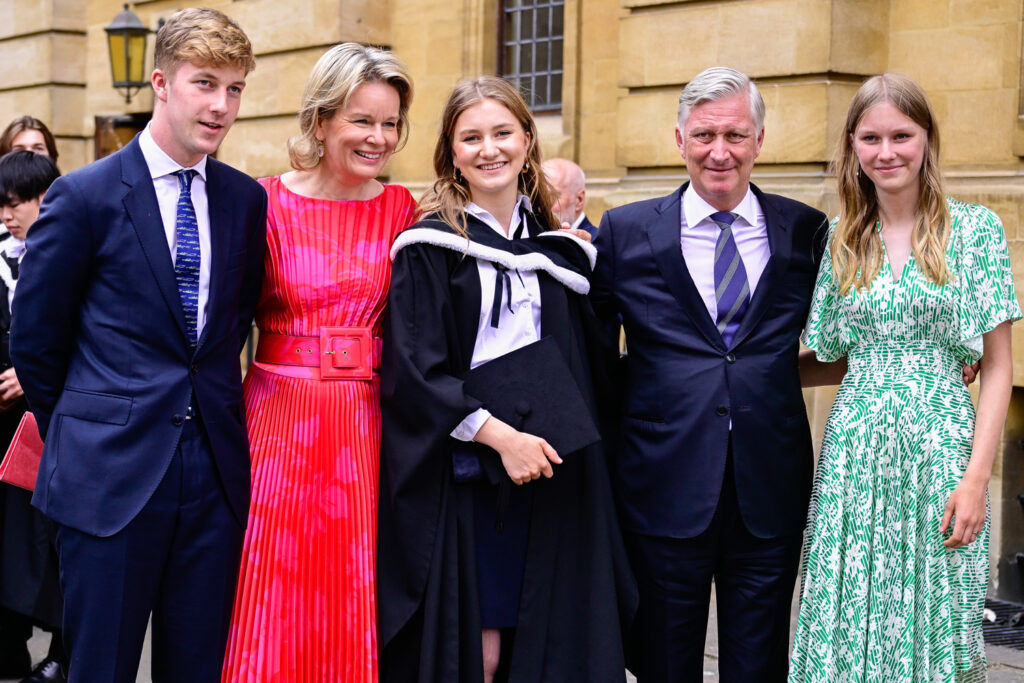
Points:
(166, 185)
(516, 328)
(11, 247)
(698, 235)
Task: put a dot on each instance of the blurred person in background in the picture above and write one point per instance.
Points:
(28, 132)
(29, 581)
(570, 185)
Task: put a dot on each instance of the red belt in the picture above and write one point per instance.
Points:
(339, 352)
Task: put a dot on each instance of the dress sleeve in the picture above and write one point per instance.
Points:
(822, 331)
(987, 296)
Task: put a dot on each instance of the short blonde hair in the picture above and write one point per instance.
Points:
(334, 78)
(202, 36)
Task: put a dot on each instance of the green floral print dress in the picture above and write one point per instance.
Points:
(882, 600)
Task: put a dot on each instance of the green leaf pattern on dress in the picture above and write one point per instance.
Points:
(882, 600)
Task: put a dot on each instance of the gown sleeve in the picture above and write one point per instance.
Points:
(422, 400)
(984, 279)
(822, 333)
(421, 393)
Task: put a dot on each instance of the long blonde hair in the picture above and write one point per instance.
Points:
(449, 195)
(856, 247)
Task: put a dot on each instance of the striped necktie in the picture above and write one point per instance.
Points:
(731, 288)
(186, 260)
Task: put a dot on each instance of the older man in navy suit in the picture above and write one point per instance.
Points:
(136, 293)
(713, 465)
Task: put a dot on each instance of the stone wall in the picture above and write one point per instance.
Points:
(625, 63)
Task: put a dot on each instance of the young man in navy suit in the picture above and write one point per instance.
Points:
(714, 460)
(136, 294)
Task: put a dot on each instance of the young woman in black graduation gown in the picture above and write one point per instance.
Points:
(480, 581)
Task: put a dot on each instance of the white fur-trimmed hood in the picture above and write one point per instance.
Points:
(523, 262)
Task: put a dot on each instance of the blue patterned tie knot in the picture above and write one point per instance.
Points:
(186, 260)
(732, 291)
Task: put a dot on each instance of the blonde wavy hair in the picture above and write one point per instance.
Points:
(334, 79)
(202, 36)
(856, 247)
(450, 194)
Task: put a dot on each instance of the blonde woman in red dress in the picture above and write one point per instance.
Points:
(305, 606)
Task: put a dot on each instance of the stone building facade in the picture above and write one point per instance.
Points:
(622, 64)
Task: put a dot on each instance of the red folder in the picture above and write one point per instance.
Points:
(21, 464)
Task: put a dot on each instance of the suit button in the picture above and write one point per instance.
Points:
(730, 358)
(195, 369)
(178, 420)
(722, 410)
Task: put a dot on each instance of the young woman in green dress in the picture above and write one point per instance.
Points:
(913, 286)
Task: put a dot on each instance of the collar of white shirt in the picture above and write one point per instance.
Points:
(695, 209)
(12, 247)
(484, 215)
(159, 163)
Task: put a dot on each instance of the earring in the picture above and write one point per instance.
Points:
(319, 149)
(526, 167)
(457, 175)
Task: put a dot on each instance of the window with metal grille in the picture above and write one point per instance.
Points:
(531, 56)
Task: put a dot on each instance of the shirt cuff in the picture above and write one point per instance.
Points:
(467, 429)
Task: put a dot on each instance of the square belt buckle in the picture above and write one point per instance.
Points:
(346, 353)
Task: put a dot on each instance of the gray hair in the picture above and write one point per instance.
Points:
(717, 83)
(568, 170)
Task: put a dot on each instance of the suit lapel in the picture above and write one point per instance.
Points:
(220, 237)
(780, 243)
(144, 214)
(663, 235)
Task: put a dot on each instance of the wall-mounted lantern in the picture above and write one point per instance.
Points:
(126, 40)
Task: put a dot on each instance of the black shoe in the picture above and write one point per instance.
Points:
(48, 671)
(15, 664)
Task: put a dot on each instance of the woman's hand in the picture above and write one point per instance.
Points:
(582, 234)
(525, 457)
(970, 373)
(10, 387)
(967, 504)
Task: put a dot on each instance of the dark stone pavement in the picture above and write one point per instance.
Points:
(1004, 665)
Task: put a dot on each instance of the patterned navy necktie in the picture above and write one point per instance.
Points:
(186, 260)
(731, 288)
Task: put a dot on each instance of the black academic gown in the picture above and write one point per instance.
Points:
(578, 594)
(29, 579)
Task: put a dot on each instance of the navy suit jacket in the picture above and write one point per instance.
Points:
(100, 345)
(683, 385)
(591, 229)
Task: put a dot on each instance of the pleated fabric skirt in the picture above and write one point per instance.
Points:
(305, 604)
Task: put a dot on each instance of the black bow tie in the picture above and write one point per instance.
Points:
(13, 264)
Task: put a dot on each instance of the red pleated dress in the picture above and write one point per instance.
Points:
(305, 604)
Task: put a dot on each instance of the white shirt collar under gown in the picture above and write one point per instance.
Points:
(519, 321)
